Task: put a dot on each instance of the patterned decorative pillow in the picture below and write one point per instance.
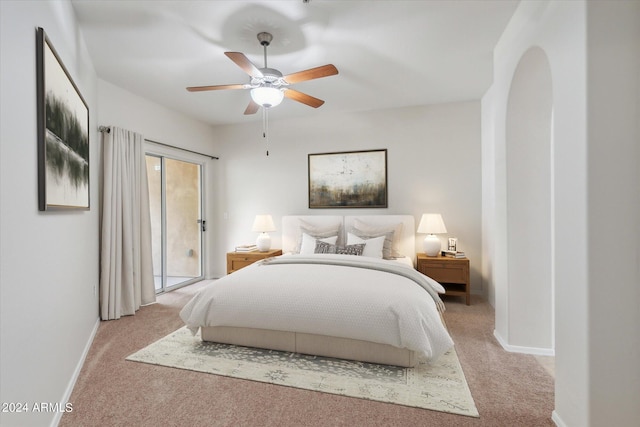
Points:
(325, 248)
(351, 249)
(328, 248)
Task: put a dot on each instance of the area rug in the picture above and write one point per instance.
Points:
(440, 386)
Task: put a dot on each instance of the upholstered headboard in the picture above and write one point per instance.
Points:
(291, 228)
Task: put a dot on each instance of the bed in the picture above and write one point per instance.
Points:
(321, 298)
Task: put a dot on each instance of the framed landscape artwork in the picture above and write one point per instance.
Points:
(63, 133)
(351, 179)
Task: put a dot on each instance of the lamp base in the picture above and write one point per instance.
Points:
(263, 242)
(432, 245)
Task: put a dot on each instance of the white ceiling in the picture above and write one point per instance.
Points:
(389, 53)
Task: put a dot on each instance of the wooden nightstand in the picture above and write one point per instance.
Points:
(451, 273)
(238, 260)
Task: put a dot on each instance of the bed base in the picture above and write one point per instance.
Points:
(318, 345)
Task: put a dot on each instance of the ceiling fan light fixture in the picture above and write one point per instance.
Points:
(267, 96)
(268, 86)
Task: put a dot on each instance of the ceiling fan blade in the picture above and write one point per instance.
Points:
(243, 62)
(312, 73)
(252, 108)
(303, 98)
(217, 87)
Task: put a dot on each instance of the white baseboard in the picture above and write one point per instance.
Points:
(557, 420)
(76, 373)
(525, 350)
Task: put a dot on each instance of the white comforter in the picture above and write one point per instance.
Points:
(311, 295)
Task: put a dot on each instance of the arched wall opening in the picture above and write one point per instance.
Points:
(529, 183)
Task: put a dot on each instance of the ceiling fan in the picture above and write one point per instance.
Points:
(268, 86)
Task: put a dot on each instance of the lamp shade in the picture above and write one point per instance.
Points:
(267, 96)
(431, 223)
(263, 223)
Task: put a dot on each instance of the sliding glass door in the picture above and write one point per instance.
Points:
(175, 199)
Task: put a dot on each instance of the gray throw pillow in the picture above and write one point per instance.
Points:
(351, 249)
(325, 248)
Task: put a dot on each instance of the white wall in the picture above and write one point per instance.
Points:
(48, 260)
(613, 209)
(433, 166)
(121, 108)
(593, 51)
(558, 28)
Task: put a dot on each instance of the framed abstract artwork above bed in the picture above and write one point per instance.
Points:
(349, 179)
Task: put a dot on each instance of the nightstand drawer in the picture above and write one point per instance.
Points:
(237, 263)
(441, 273)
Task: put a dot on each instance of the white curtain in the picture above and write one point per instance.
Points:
(126, 269)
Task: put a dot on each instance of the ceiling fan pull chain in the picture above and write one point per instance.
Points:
(265, 126)
(264, 122)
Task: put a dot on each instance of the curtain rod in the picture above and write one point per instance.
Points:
(107, 129)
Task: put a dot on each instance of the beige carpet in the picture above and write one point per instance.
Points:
(439, 386)
(509, 389)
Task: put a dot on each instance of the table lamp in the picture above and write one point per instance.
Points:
(263, 224)
(431, 224)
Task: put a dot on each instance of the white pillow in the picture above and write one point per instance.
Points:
(308, 245)
(373, 247)
(388, 240)
(382, 229)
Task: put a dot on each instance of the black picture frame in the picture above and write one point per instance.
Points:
(63, 133)
(348, 179)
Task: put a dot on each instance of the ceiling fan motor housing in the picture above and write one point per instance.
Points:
(265, 38)
(269, 75)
